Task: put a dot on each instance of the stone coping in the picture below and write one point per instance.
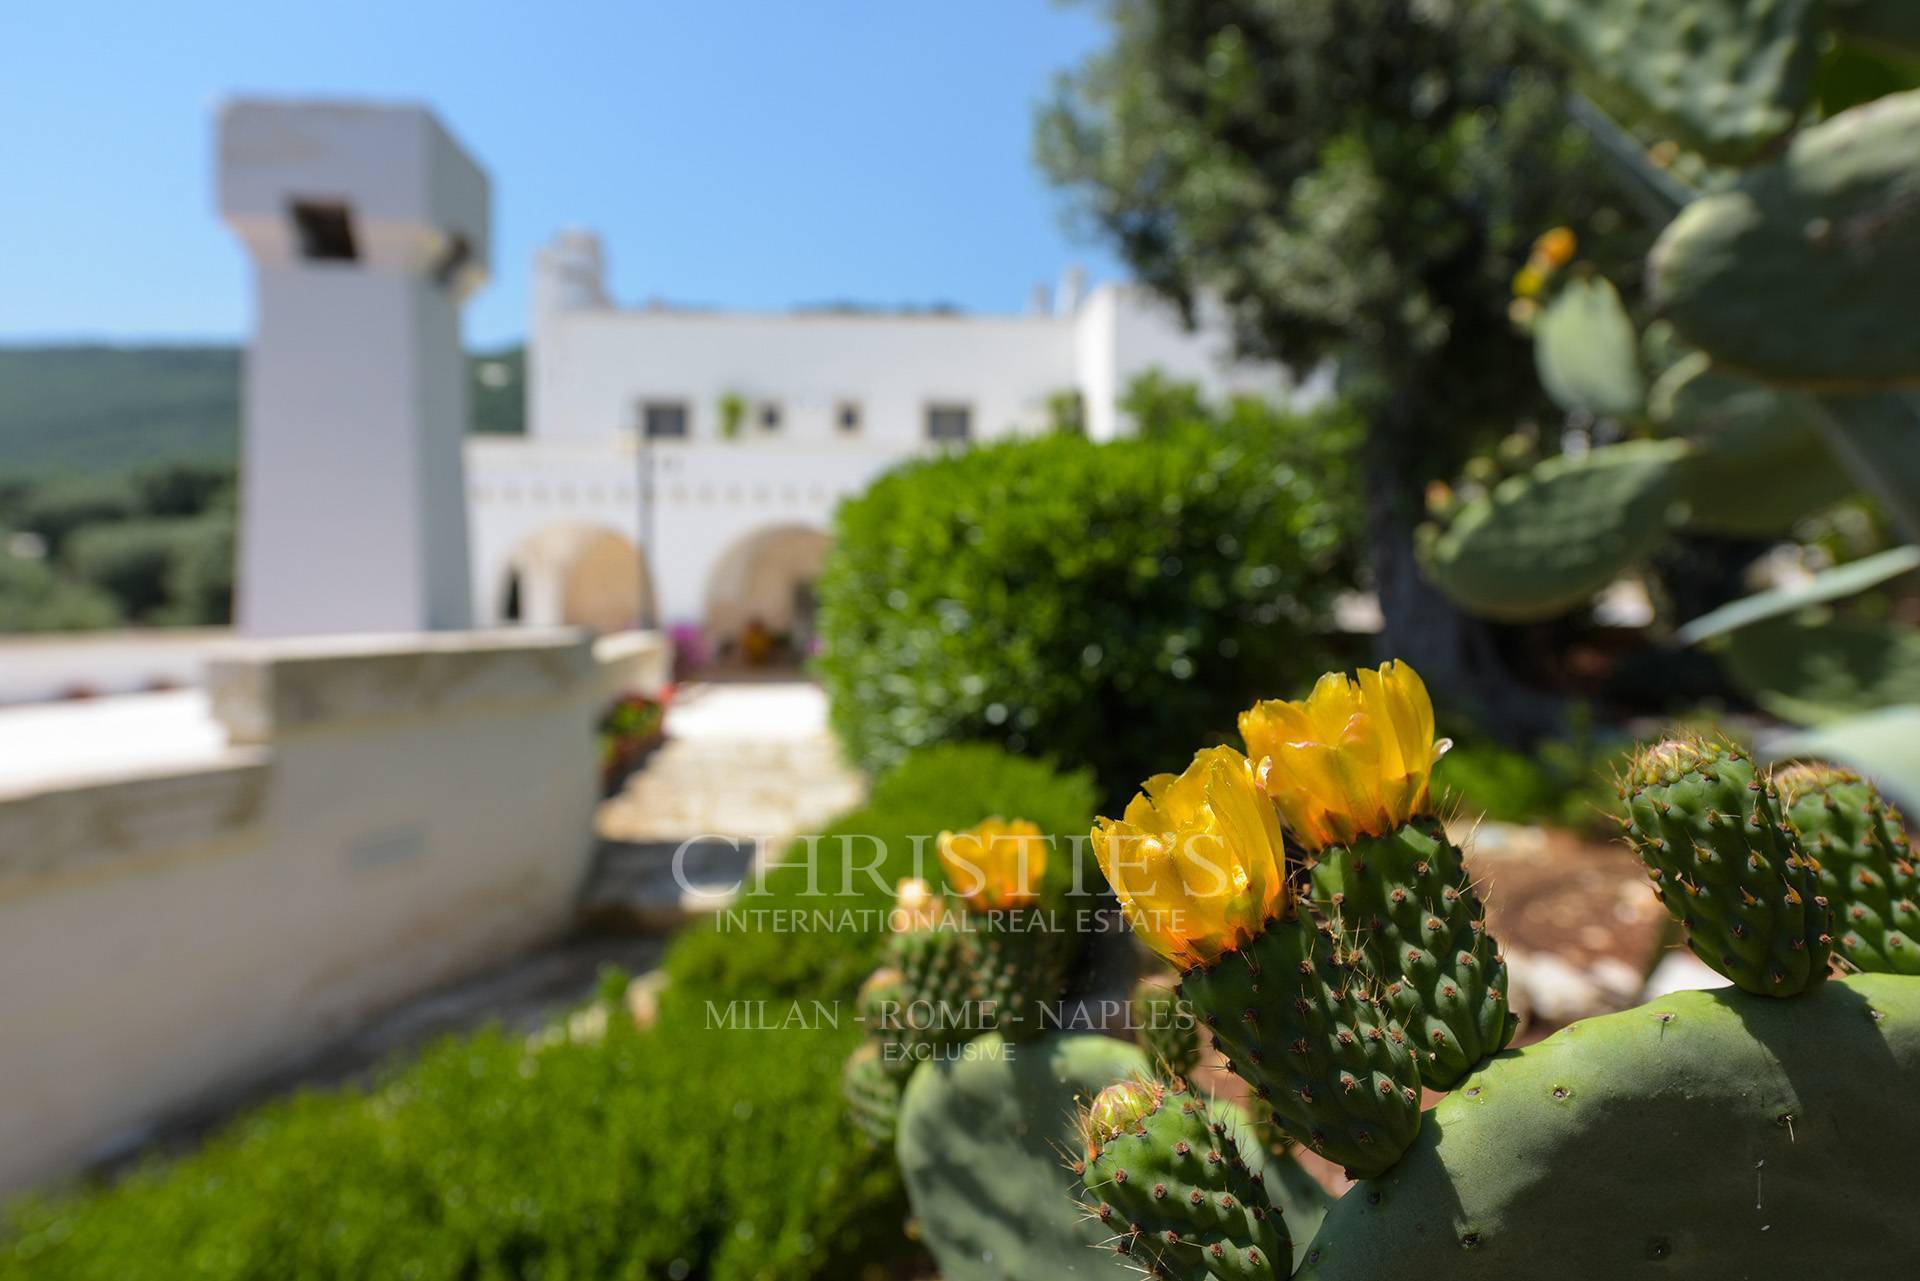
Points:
(261, 690)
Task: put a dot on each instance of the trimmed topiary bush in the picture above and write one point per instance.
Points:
(1093, 601)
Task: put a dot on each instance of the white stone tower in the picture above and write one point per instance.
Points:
(368, 226)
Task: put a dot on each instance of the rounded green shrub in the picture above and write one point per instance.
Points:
(1093, 602)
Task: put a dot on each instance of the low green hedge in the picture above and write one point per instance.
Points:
(1102, 603)
(681, 1150)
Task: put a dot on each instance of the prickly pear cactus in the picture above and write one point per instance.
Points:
(1758, 465)
(1726, 76)
(1866, 865)
(1708, 826)
(1019, 965)
(1587, 351)
(1830, 231)
(1165, 1027)
(936, 990)
(1708, 1134)
(1544, 543)
(1405, 903)
(1815, 672)
(1300, 1023)
(872, 1090)
(982, 1143)
(1164, 1175)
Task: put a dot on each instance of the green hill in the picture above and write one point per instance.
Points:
(92, 409)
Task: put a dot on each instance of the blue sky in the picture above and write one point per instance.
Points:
(733, 153)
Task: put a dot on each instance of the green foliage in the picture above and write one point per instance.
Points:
(1543, 543)
(1091, 601)
(487, 1159)
(1156, 404)
(1566, 782)
(939, 789)
(1067, 412)
(33, 598)
(143, 563)
(1828, 230)
(1708, 1134)
(983, 1141)
(59, 508)
(1588, 351)
(1726, 76)
(1725, 864)
(1403, 902)
(731, 412)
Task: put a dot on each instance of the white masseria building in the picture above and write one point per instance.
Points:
(682, 466)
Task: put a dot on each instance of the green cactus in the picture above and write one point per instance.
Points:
(872, 1090)
(1758, 465)
(1708, 1134)
(1726, 76)
(1830, 230)
(1541, 544)
(982, 1139)
(1708, 826)
(1817, 671)
(1165, 1177)
(1587, 352)
(936, 990)
(1298, 1022)
(1019, 963)
(1165, 1027)
(1866, 865)
(1404, 902)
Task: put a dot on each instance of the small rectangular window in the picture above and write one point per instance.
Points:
(663, 419)
(770, 416)
(847, 416)
(949, 422)
(325, 231)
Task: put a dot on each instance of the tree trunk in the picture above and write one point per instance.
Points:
(1456, 654)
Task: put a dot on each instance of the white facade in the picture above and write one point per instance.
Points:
(628, 445)
(367, 226)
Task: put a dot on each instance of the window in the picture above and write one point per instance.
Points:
(949, 422)
(325, 231)
(847, 416)
(663, 419)
(770, 416)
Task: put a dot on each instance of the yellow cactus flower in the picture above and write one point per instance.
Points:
(1354, 759)
(996, 864)
(1556, 247)
(1529, 281)
(1197, 860)
(915, 907)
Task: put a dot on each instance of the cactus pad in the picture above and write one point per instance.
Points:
(1543, 543)
(1404, 902)
(1164, 1175)
(1297, 1022)
(1866, 865)
(1812, 673)
(1708, 1134)
(1829, 232)
(1587, 352)
(1019, 960)
(981, 1145)
(1758, 465)
(1708, 826)
(1726, 76)
(872, 1091)
(936, 1003)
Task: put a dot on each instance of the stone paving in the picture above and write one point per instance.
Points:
(745, 764)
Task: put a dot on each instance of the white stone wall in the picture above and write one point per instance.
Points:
(390, 813)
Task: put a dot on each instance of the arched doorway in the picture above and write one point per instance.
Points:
(767, 578)
(578, 575)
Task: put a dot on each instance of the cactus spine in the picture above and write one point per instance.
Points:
(1165, 1027)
